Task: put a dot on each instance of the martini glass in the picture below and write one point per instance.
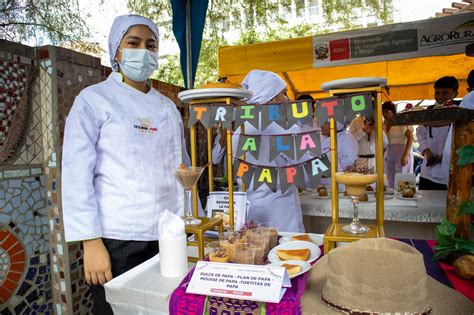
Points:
(188, 177)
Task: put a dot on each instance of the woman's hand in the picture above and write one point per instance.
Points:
(404, 159)
(97, 267)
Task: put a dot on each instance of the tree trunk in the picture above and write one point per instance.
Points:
(460, 179)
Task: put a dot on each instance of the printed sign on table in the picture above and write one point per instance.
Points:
(236, 281)
(218, 202)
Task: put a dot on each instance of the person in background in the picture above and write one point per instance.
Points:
(363, 130)
(347, 148)
(467, 102)
(283, 209)
(398, 155)
(122, 142)
(433, 139)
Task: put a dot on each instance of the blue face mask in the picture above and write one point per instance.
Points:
(138, 64)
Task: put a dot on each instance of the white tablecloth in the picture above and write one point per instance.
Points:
(430, 208)
(141, 290)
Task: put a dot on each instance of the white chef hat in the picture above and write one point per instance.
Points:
(120, 26)
(265, 85)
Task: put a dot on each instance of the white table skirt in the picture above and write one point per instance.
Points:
(142, 290)
(430, 208)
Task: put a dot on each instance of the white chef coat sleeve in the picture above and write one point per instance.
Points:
(384, 139)
(358, 134)
(349, 148)
(80, 209)
(218, 152)
(422, 138)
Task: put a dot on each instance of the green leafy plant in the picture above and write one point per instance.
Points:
(466, 208)
(447, 243)
(466, 155)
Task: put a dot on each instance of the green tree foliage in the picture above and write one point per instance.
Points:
(345, 12)
(40, 21)
(255, 21)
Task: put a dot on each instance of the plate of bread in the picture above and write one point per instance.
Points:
(293, 267)
(307, 237)
(295, 250)
(410, 197)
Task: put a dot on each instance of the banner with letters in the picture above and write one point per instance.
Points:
(254, 176)
(260, 116)
(282, 149)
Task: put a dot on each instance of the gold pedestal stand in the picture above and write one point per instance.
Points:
(335, 233)
(210, 223)
(198, 231)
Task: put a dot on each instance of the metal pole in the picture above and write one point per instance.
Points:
(189, 55)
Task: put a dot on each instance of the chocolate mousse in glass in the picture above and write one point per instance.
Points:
(188, 177)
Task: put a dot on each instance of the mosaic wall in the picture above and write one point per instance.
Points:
(39, 272)
(25, 282)
(24, 247)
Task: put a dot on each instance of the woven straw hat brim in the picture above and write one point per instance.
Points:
(444, 300)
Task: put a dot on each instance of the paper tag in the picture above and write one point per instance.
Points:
(243, 282)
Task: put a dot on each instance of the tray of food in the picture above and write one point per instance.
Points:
(215, 90)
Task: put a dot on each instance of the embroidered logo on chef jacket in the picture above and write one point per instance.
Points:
(144, 126)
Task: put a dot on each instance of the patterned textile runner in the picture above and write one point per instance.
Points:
(191, 304)
(184, 303)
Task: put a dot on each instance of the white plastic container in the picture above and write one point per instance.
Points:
(173, 257)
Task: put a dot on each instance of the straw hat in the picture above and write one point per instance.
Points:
(378, 276)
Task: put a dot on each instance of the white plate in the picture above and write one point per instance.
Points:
(315, 238)
(317, 196)
(196, 94)
(416, 196)
(305, 267)
(315, 252)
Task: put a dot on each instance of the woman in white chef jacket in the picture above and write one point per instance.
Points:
(363, 130)
(283, 209)
(122, 141)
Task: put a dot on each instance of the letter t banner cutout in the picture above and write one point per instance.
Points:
(358, 104)
(199, 113)
(223, 115)
(267, 175)
(249, 144)
(244, 171)
(330, 107)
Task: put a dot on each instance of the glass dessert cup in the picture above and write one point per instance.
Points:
(271, 227)
(245, 254)
(356, 184)
(217, 252)
(188, 177)
(231, 241)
